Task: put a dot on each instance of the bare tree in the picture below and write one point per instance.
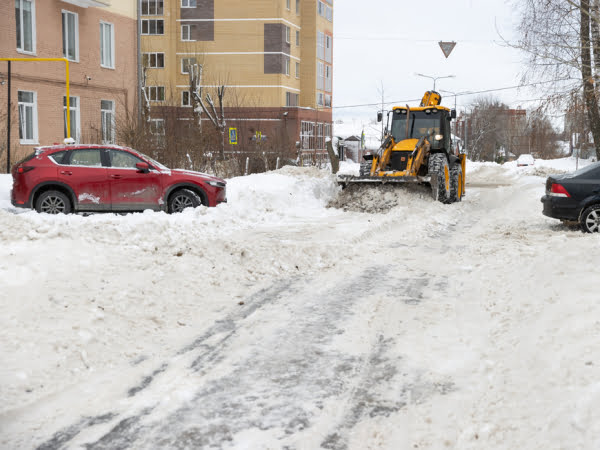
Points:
(562, 42)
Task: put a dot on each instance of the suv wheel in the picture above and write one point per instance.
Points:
(53, 202)
(590, 219)
(182, 199)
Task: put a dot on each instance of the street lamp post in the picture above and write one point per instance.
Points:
(435, 78)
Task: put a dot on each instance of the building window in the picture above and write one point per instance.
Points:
(320, 75)
(186, 32)
(107, 45)
(287, 4)
(73, 117)
(153, 60)
(28, 126)
(297, 38)
(287, 66)
(25, 18)
(70, 28)
(186, 63)
(307, 137)
(328, 41)
(328, 101)
(156, 93)
(287, 35)
(186, 98)
(188, 3)
(157, 127)
(107, 121)
(325, 11)
(297, 6)
(320, 99)
(153, 26)
(297, 70)
(152, 7)
(320, 45)
(291, 99)
(328, 78)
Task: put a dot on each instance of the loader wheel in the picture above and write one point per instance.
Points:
(365, 168)
(440, 177)
(455, 184)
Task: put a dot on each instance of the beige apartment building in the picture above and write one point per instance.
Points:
(99, 38)
(274, 57)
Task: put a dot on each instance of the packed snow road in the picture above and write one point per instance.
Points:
(275, 322)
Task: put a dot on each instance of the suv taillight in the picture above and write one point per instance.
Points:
(558, 190)
(23, 169)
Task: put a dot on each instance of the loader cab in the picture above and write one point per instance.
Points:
(432, 123)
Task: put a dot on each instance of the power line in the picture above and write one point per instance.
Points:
(459, 94)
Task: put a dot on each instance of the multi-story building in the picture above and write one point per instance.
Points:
(274, 58)
(98, 38)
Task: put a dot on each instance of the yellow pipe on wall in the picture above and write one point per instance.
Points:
(66, 61)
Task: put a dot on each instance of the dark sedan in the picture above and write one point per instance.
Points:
(575, 197)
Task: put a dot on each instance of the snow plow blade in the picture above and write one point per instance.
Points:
(344, 180)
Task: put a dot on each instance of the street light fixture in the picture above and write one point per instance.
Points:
(435, 78)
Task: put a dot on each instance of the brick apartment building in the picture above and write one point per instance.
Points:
(274, 57)
(99, 38)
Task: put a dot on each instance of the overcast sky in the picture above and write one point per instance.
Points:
(386, 42)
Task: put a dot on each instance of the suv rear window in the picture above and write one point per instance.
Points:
(27, 158)
(58, 157)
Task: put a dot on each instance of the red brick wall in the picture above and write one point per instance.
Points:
(48, 78)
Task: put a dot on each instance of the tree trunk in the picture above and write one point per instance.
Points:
(335, 161)
(589, 93)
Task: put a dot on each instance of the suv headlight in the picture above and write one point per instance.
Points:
(217, 184)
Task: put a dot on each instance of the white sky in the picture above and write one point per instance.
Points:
(392, 40)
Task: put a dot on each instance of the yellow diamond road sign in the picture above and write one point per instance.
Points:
(447, 47)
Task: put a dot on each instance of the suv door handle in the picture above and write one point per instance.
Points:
(66, 172)
(116, 176)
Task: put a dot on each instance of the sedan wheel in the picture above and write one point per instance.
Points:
(590, 219)
(183, 199)
(53, 202)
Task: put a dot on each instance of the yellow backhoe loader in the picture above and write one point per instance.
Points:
(417, 148)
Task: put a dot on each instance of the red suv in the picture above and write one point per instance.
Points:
(73, 178)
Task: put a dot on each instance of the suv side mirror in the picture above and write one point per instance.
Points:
(143, 167)
(379, 116)
(453, 114)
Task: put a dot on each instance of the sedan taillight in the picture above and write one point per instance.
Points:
(558, 190)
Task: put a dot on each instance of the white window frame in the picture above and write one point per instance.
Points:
(320, 99)
(297, 70)
(189, 61)
(287, 66)
(297, 7)
(65, 35)
(320, 45)
(288, 5)
(189, 99)
(155, 54)
(328, 77)
(188, 3)
(33, 27)
(297, 38)
(320, 75)
(189, 33)
(154, 127)
(156, 13)
(111, 63)
(77, 110)
(328, 51)
(153, 91)
(287, 34)
(107, 114)
(147, 21)
(34, 120)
